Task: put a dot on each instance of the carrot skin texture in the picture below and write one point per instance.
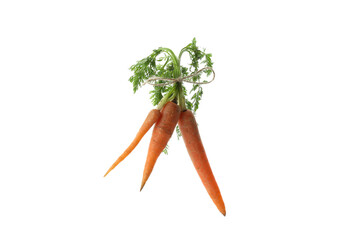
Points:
(162, 132)
(153, 116)
(195, 148)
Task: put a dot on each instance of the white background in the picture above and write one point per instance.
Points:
(280, 123)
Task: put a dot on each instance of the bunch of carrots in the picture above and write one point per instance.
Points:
(173, 110)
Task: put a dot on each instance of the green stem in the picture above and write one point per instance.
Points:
(181, 96)
(177, 90)
(185, 49)
(168, 97)
(175, 60)
(167, 60)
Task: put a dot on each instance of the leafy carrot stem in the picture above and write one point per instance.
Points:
(162, 62)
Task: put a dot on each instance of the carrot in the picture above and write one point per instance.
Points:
(151, 118)
(163, 70)
(162, 132)
(195, 148)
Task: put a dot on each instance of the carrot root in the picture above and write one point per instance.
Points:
(150, 120)
(162, 132)
(193, 143)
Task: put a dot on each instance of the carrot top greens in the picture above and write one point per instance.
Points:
(163, 63)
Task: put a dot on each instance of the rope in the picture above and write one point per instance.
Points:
(169, 81)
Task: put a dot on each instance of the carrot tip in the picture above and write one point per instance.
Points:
(142, 186)
(107, 172)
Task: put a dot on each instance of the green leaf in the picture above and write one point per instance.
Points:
(163, 63)
(178, 132)
(166, 150)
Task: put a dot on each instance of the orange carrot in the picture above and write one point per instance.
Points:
(195, 148)
(151, 118)
(162, 132)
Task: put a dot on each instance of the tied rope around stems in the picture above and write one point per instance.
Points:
(180, 79)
